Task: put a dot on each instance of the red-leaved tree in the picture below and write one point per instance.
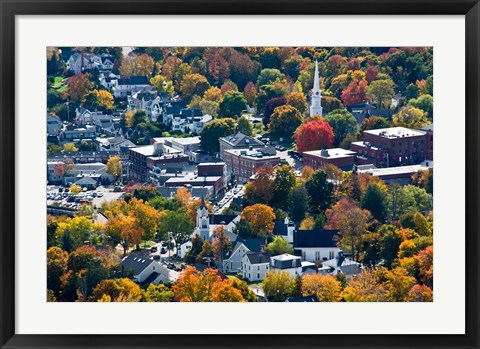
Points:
(355, 93)
(313, 135)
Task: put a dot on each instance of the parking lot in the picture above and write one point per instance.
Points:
(57, 196)
(235, 192)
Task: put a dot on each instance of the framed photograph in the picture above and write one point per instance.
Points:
(196, 174)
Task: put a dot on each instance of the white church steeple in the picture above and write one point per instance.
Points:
(316, 106)
(203, 225)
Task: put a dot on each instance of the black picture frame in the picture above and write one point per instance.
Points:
(10, 8)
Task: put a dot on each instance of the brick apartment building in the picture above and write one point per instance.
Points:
(214, 169)
(342, 158)
(238, 141)
(142, 159)
(245, 162)
(395, 146)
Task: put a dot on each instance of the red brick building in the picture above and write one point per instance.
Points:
(197, 181)
(142, 159)
(238, 141)
(395, 146)
(214, 169)
(342, 158)
(245, 162)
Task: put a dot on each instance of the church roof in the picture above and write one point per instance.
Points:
(219, 218)
(315, 238)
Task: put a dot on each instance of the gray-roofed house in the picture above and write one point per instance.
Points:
(341, 264)
(365, 110)
(54, 125)
(233, 262)
(316, 245)
(147, 270)
(255, 266)
(124, 87)
(287, 262)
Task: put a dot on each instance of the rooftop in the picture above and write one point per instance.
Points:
(315, 238)
(398, 170)
(241, 140)
(256, 153)
(136, 264)
(258, 258)
(395, 132)
(333, 153)
(186, 140)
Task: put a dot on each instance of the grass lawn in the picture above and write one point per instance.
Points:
(146, 244)
(258, 128)
(58, 84)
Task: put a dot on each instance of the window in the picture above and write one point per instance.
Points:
(331, 254)
(258, 267)
(258, 276)
(317, 255)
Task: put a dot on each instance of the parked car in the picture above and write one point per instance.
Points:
(153, 249)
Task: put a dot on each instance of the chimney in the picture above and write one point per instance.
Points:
(340, 258)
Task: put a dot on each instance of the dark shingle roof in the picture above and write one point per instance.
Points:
(280, 228)
(219, 218)
(173, 109)
(258, 258)
(315, 238)
(254, 245)
(151, 278)
(350, 269)
(191, 112)
(136, 264)
(134, 80)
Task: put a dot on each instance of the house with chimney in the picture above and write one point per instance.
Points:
(341, 264)
(147, 271)
(233, 262)
(126, 86)
(255, 266)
